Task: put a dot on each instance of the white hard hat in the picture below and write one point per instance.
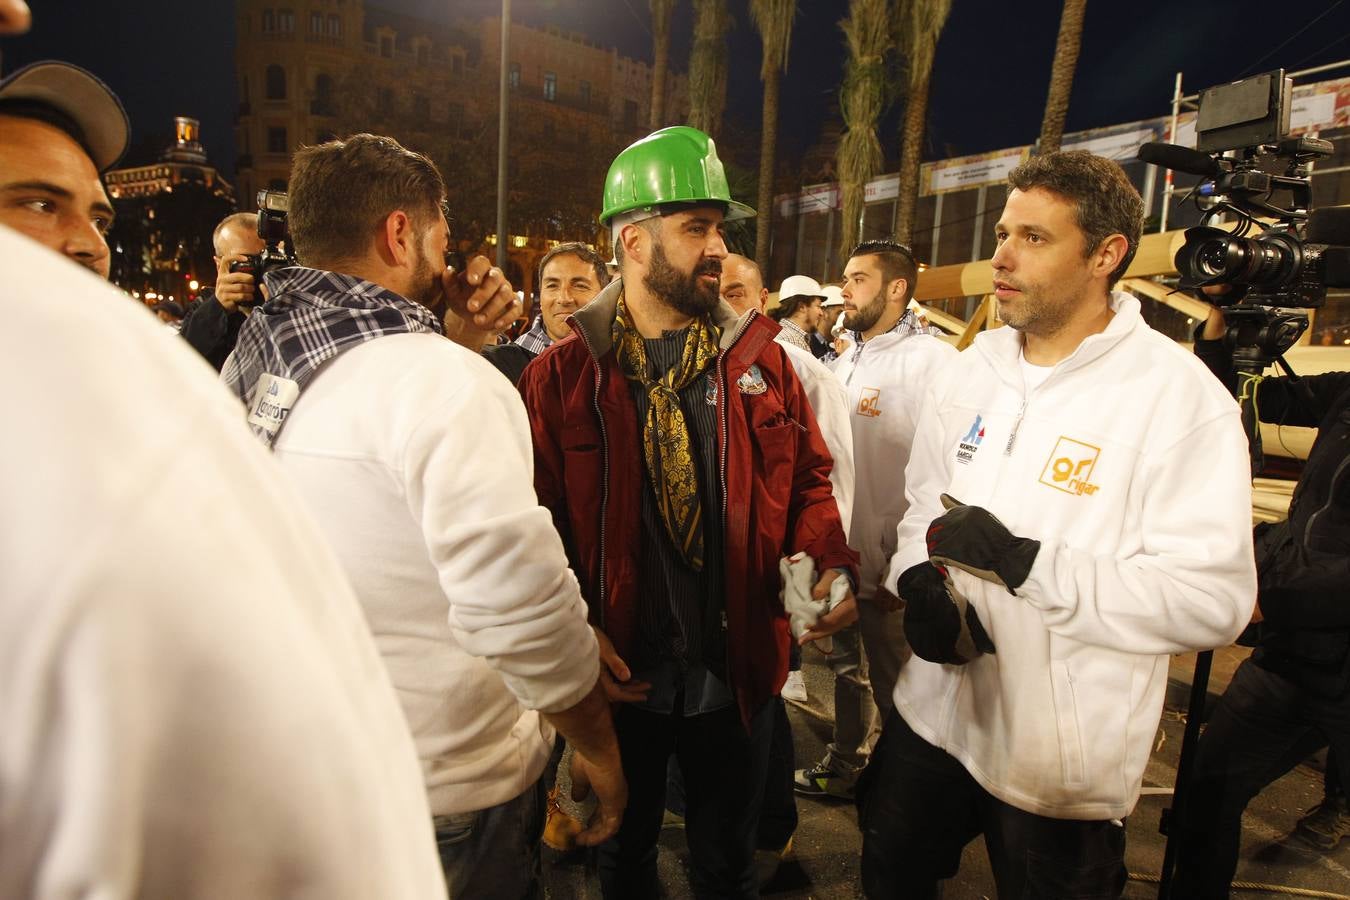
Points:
(799, 286)
(834, 296)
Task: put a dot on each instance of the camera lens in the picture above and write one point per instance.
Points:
(1212, 256)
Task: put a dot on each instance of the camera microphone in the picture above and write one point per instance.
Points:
(1180, 159)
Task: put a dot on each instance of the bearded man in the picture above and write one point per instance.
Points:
(680, 457)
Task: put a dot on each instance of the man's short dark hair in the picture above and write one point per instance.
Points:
(584, 252)
(342, 190)
(1105, 202)
(48, 115)
(896, 261)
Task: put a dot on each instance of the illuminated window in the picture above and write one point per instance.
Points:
(513, 77)
(550, 86)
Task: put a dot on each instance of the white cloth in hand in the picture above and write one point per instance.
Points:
(799, 577)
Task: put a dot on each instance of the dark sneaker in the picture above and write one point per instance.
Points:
(821, 781)
(1325, 824)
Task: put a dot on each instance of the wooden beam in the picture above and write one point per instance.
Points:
(1154, 257)
(944, 320)
(976, 323)
(1182, 303)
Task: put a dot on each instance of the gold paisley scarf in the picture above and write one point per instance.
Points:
(667, 445)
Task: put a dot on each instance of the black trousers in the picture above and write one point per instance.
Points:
(918, 808)
(1262, 727)
(723, 770)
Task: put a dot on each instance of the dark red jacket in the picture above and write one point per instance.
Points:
(775, 471)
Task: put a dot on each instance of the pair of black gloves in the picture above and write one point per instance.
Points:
(940, 624)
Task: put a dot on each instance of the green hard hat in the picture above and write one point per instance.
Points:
(674, 165)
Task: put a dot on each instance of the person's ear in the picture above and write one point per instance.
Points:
(396, 239)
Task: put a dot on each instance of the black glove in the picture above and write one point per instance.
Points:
(970, 538)
(940, 625)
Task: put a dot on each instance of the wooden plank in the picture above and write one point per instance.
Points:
(1182, 303)
(944, 320)
(1154, 257)
(976, 323)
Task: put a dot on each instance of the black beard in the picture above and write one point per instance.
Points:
(683, 293)
(865, 317)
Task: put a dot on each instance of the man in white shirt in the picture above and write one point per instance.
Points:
(884, 372)
(414, 455)
(176, 722)
(1079, 504)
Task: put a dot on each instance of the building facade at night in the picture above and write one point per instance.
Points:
(161, 238)
(309, 70)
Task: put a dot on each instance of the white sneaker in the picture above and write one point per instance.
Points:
(794, 688)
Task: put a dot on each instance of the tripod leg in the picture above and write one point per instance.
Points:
(1174, 817)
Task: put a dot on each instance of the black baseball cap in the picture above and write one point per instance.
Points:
(74, 100)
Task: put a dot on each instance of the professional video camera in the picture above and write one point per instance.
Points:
(1253, 168)
(272, 208)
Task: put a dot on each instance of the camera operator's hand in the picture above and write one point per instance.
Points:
(234, 288)
(481, 299)
(1215, 324)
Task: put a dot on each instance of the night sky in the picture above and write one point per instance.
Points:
(167, 58)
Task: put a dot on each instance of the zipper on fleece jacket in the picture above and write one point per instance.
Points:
(1312, 519)
(1017, 423)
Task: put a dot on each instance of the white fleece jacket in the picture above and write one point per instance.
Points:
(191, 705)
(829, 404)
(1129, 465)
(884, 379)
(414, 456)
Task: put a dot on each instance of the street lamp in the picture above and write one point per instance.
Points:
(504, 90)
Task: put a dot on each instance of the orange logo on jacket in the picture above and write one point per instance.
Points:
(1070, 466)
(869, 402)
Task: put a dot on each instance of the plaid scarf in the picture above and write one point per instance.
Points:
(311, 316)
(668, 447)
(536, 340)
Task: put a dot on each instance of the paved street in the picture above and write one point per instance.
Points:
(827, 840)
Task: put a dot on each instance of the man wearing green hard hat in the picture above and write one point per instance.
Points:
(681, 461)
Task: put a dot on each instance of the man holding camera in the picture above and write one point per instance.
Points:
(212, 325)
(1292, 697)
(1079, 511)
(409, 450)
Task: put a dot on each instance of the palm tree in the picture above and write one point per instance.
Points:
(1061, 74)
(773, 20)
(661, 14)
(708, 65)
(869, 37)
(920, 24)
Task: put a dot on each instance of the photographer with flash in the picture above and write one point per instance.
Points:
(410, 451)
(1292, 697)
(212, 325)
(1080, 509)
